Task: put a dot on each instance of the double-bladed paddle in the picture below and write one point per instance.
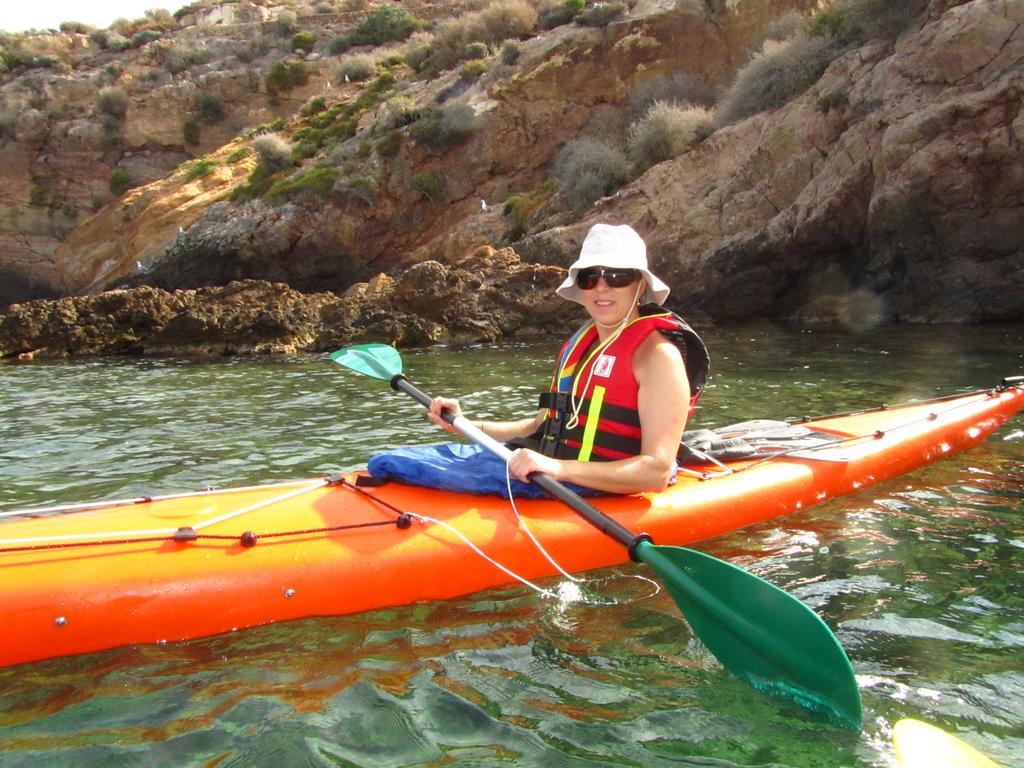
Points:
(758, 632)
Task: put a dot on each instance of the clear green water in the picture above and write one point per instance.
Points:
(920, 577)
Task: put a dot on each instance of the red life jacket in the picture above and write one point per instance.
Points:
(596, 382)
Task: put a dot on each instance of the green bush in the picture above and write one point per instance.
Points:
(272, 127)
(510, 53)
(120, 181)
(210, 107)
(853, 22)
(140, 39)
(429, 185)
(181, 58)
(305, 147)
(238, 155)
(778, 73)
(339, 45)
(667, 131)
(373, 93)
(38, 195)
(601, 15)
(442, 128)
(387, 23)
(10, 60)
(418, 49)
(190, 131)
(557, 14)
(472, 70)
(589, 169)
(76, 28)
(388, 144)
(284, 24)
(111, 136)
(360, 190)
(318, 181)
(476, 51)
(303, 41)
(398, 112)
(521, 208)
(113, 102)
(185, 10)
(285, 75)
(199, 168)
(315, 106)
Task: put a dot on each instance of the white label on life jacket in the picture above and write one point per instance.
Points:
(603, 366)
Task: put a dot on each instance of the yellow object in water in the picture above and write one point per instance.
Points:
(920, 745)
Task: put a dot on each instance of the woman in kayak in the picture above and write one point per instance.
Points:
(624, 385)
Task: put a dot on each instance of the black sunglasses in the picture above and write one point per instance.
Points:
(586, 279)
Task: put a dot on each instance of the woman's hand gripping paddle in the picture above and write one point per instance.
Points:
(758, 632)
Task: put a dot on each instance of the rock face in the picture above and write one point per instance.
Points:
(487, 295)
(524, 114)
(892, 190)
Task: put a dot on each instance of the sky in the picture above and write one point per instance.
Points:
(19, 15)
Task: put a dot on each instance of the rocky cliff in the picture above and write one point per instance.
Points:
(889, 189)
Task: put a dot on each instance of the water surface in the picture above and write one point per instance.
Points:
(920, 576)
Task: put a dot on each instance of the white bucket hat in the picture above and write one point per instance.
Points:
(619, 246)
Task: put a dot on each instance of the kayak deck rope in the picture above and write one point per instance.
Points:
(192, 533)
(90, 505)
(803, 451)
(422, 519)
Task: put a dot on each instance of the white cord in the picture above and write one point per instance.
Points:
(484, 555)
(162, 531)
(526, 528)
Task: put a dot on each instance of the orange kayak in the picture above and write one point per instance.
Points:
(94, 576)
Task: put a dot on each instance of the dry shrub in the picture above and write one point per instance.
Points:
(666, 131)
(777, 73)
(418, 49)
(785, 26)
(506, 19)
(499, 21)
(357, 67)
(679, 87)
(853, 22)
(442, 128)
(450, 40)
(589, 169)
(275, 152)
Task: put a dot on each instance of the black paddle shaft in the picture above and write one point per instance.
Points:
(591, 514)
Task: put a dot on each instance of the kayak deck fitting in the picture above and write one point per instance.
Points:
(87, 577)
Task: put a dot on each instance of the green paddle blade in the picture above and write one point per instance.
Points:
(380, 361)
(760, 633)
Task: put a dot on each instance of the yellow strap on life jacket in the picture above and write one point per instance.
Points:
(593, 416)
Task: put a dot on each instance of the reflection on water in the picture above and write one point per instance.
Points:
(919, 577)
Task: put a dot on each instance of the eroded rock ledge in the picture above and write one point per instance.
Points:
(485, 296)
